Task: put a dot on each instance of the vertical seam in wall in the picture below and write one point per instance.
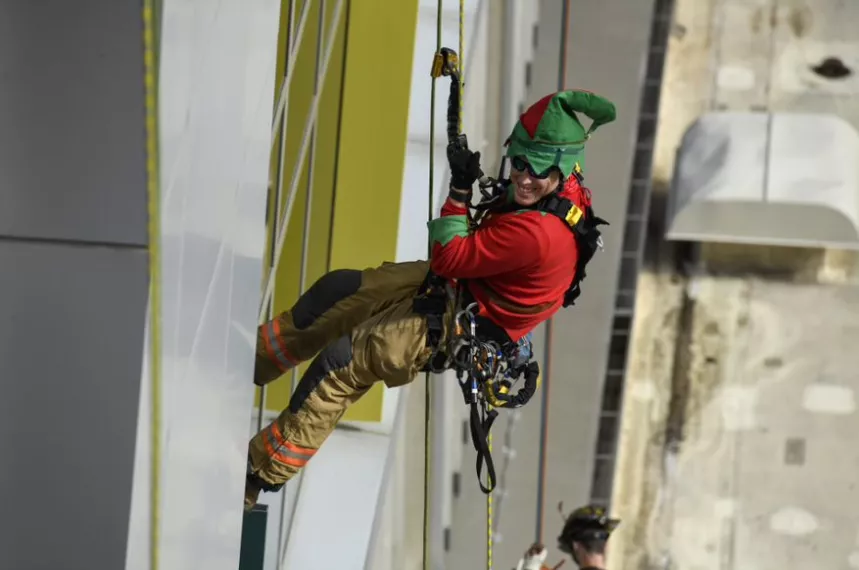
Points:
(336, 149)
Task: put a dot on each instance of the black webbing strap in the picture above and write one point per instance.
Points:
(431, 302)
(479, 433)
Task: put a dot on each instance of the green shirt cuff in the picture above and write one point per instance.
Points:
(443, 230)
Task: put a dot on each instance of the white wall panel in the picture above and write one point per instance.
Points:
(350, 465)
(216, 90)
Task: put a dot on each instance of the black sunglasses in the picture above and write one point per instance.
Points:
(523, 165)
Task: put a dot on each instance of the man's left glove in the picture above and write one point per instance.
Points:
(464, 170)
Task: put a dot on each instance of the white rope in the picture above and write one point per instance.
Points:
(302, 153)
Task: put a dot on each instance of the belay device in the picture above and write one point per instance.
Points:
(446, 64)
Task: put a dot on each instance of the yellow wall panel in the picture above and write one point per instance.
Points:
(286, 289)
(374, 129)
(324, 156)
(363, 105)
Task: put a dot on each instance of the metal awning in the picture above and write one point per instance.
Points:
(767, 179)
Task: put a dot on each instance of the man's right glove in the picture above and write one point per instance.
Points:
(464, 170)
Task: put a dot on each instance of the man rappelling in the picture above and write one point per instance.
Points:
(508, 273)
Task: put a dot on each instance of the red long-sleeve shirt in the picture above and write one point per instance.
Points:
(525, 257)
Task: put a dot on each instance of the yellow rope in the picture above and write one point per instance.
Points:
(150, 83)
(427, 383)
(461, 62)
(489, 533)
(489, 541)
(428, 391)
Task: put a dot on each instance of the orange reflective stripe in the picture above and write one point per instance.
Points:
(275, 454)
(275, 348)
(300, 450)
(275, 430)
(268, 348)
(283, 451)
(281, 346)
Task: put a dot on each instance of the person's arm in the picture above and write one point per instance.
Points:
(512, 243)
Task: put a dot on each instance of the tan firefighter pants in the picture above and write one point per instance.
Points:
(365, 326)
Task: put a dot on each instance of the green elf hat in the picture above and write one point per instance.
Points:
(550, 134)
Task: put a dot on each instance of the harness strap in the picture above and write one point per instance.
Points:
(431, 302)
(563, 208)
(584, 225)
(480, 429)
(509, 305)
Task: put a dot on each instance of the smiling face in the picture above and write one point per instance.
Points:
(530, 188)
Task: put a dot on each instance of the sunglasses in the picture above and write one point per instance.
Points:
(523, 165)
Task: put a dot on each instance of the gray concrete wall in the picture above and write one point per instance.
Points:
(607, 55)
(73, 291)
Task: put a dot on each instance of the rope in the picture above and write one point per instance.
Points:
(547, 364)
(489, 521)
(427, 384)
(489, 525)
(152, 173)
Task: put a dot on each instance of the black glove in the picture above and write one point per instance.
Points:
(526, 392)
(498, 393)
(464, 170)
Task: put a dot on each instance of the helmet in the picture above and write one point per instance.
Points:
(584, 524)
